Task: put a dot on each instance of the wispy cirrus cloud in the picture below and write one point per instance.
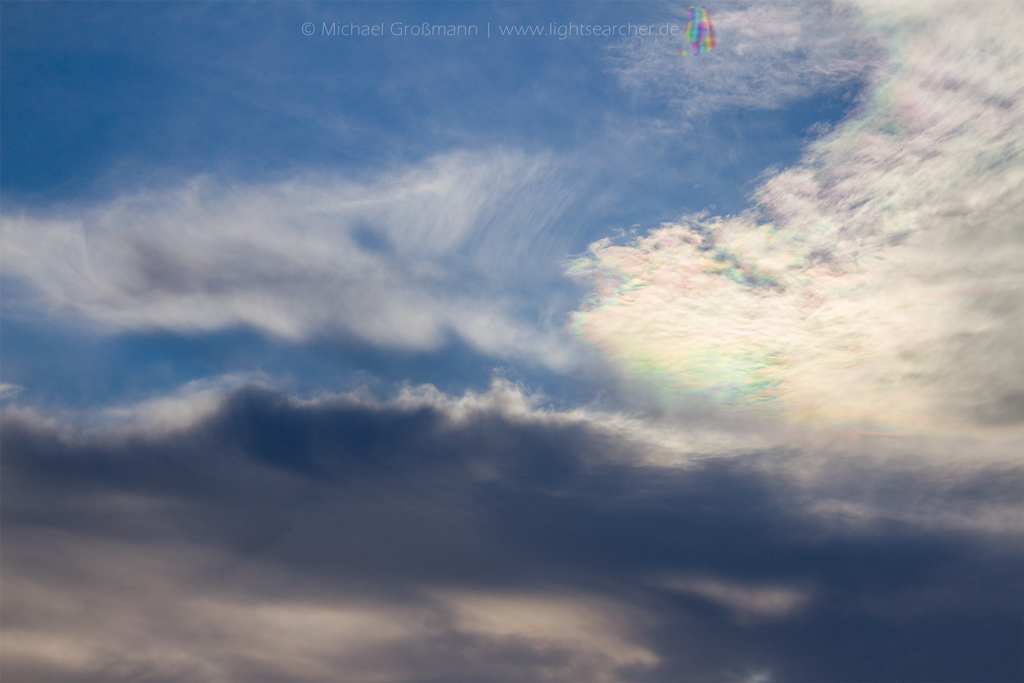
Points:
(767, 55)
(877, 283)
(387, 261)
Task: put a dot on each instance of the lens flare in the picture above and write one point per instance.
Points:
(699, 32)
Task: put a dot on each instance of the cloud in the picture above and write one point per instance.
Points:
(878, 283)
(767, 55)
(232, 531)
(158, 615)
(386, 260)
(486, 537)
(9, 391)
(746, 601)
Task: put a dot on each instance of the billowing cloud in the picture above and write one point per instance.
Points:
(879, 282)
(387, 261)
(262, 536)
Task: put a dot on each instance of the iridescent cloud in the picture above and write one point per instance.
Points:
(877, 283)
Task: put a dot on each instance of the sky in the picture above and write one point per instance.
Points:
(511, 341)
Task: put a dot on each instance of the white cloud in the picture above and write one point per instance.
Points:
(181, 409)
(386, 261)
(878, 284)
(767, 55)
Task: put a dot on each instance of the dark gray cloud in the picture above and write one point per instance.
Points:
(277, 539)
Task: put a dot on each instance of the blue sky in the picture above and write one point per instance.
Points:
(539, 358)
(138, 98)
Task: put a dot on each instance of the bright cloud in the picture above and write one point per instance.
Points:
(879, 282)
(384, 261)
